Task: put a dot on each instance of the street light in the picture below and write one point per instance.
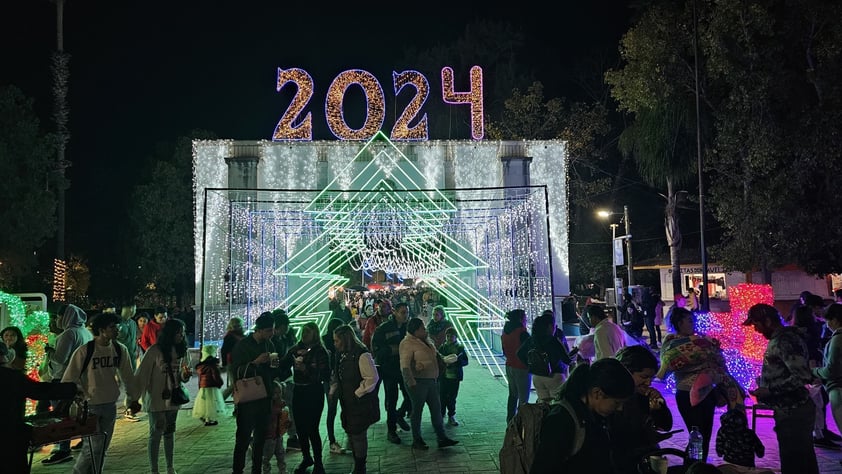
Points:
(606, 214)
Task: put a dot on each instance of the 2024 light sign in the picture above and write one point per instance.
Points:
(291, 127)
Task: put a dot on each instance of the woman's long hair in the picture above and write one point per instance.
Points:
(350, 341)
(314, 330)
(20, 345)
(542, 327)
(166, 339)
(235, 324)
(609, 375)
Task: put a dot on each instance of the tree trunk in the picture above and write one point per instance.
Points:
(673, 237)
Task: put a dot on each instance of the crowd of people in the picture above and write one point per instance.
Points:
(802, 359)
(420, 363)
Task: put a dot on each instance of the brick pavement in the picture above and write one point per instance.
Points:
(481, 410)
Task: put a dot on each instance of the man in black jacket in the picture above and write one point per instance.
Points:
(384, 343)
(250, 358)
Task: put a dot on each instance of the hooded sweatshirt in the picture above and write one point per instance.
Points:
(73, 334)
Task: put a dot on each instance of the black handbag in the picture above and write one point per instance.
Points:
(179, 395)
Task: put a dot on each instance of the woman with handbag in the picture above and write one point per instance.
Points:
(355, 381)
(159, 381)
(310, 371)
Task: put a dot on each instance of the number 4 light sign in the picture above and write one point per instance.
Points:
(375, 104)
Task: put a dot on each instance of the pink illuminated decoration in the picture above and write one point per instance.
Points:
(742, 346)
(472, 97)
(375, 108)
(402, 130)
(286, 128)
(291, 128)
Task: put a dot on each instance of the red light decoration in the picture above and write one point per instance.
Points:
(742, 346)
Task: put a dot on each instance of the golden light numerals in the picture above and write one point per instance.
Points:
(402, 130)
(375, 105)
(473, 97)
(291, 128)
(286, 130)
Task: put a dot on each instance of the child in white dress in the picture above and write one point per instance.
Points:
(209, 403)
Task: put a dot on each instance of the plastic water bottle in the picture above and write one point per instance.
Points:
(695, 448)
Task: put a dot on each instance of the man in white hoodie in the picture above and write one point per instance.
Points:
(98, 368)
(71, 322)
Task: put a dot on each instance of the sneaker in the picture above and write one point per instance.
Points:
(57, 458)
(419, 444)
(336, 449)
(79, 444)
(445, 442)
(129, 417)
(825, 443)
(171, 471)
(211, 423)
(393, 437)
(401, 421)
(452, 421)
(293, 444)
(831, 435)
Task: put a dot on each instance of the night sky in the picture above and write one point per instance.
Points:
(145, 72)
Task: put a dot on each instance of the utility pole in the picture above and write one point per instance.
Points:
(704, 303)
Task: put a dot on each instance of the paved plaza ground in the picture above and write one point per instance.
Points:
(481, 411)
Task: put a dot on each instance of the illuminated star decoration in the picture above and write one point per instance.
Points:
(387, 223)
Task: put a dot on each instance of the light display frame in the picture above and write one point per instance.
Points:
(238, 216)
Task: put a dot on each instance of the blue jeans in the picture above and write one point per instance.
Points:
(161, 424)
(426, 391)
(107, 413)
(794, 430)
(520, 381)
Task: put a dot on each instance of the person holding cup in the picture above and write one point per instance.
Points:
(310, 371)
(251, 357)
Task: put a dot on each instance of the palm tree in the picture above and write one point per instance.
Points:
(60, 66)
(661, 142)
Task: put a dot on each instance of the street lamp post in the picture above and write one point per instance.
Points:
(628, 244)
(605, 214)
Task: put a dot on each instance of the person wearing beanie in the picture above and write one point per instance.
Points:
(209, 403)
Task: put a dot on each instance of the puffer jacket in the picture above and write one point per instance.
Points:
(419, 359)
(209, 375)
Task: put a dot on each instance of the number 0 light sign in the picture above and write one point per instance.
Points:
(293, 127)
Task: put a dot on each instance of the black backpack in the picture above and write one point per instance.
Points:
(523, 435)
(538, 362)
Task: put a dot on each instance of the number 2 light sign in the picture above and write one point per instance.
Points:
(293, 127)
